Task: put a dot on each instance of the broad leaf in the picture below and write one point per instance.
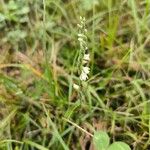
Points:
(101, 140)
(119, 146)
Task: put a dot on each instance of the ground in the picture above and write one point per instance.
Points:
(39, 108)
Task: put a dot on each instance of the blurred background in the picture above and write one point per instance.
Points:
(38, 45)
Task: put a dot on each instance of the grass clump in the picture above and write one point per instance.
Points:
(39, 47)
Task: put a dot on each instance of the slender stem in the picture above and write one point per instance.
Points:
(78, 127)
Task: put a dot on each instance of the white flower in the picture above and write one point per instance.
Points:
(75, 86)
(84, 73)
(81, 18)
(80, 26)
(86, 57)
(80, 39)
(82, 36)
(83, 76)
(86, 70)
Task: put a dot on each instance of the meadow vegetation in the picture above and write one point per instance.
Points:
(39, 47)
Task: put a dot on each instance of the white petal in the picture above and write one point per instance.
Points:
(75, 86)
(81, 35)
(80, 26)
(86, 57)
(86, 70)
(85, 61)
(80, 39)
(81, 18)
(83, 76)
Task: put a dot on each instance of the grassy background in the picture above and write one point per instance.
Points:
(38, 107)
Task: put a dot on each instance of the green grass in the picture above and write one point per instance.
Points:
(39, 109)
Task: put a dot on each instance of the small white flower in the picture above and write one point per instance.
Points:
(83, 76)
(75, 86)
(81, 35)
(80, 39)
(86, 70)
(86, 57)
(80, 26)
(81, 18)
(85, 30)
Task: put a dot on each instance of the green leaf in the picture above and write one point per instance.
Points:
(119, 146)
(101, 140)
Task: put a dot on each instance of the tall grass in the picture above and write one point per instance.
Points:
(39, 109)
